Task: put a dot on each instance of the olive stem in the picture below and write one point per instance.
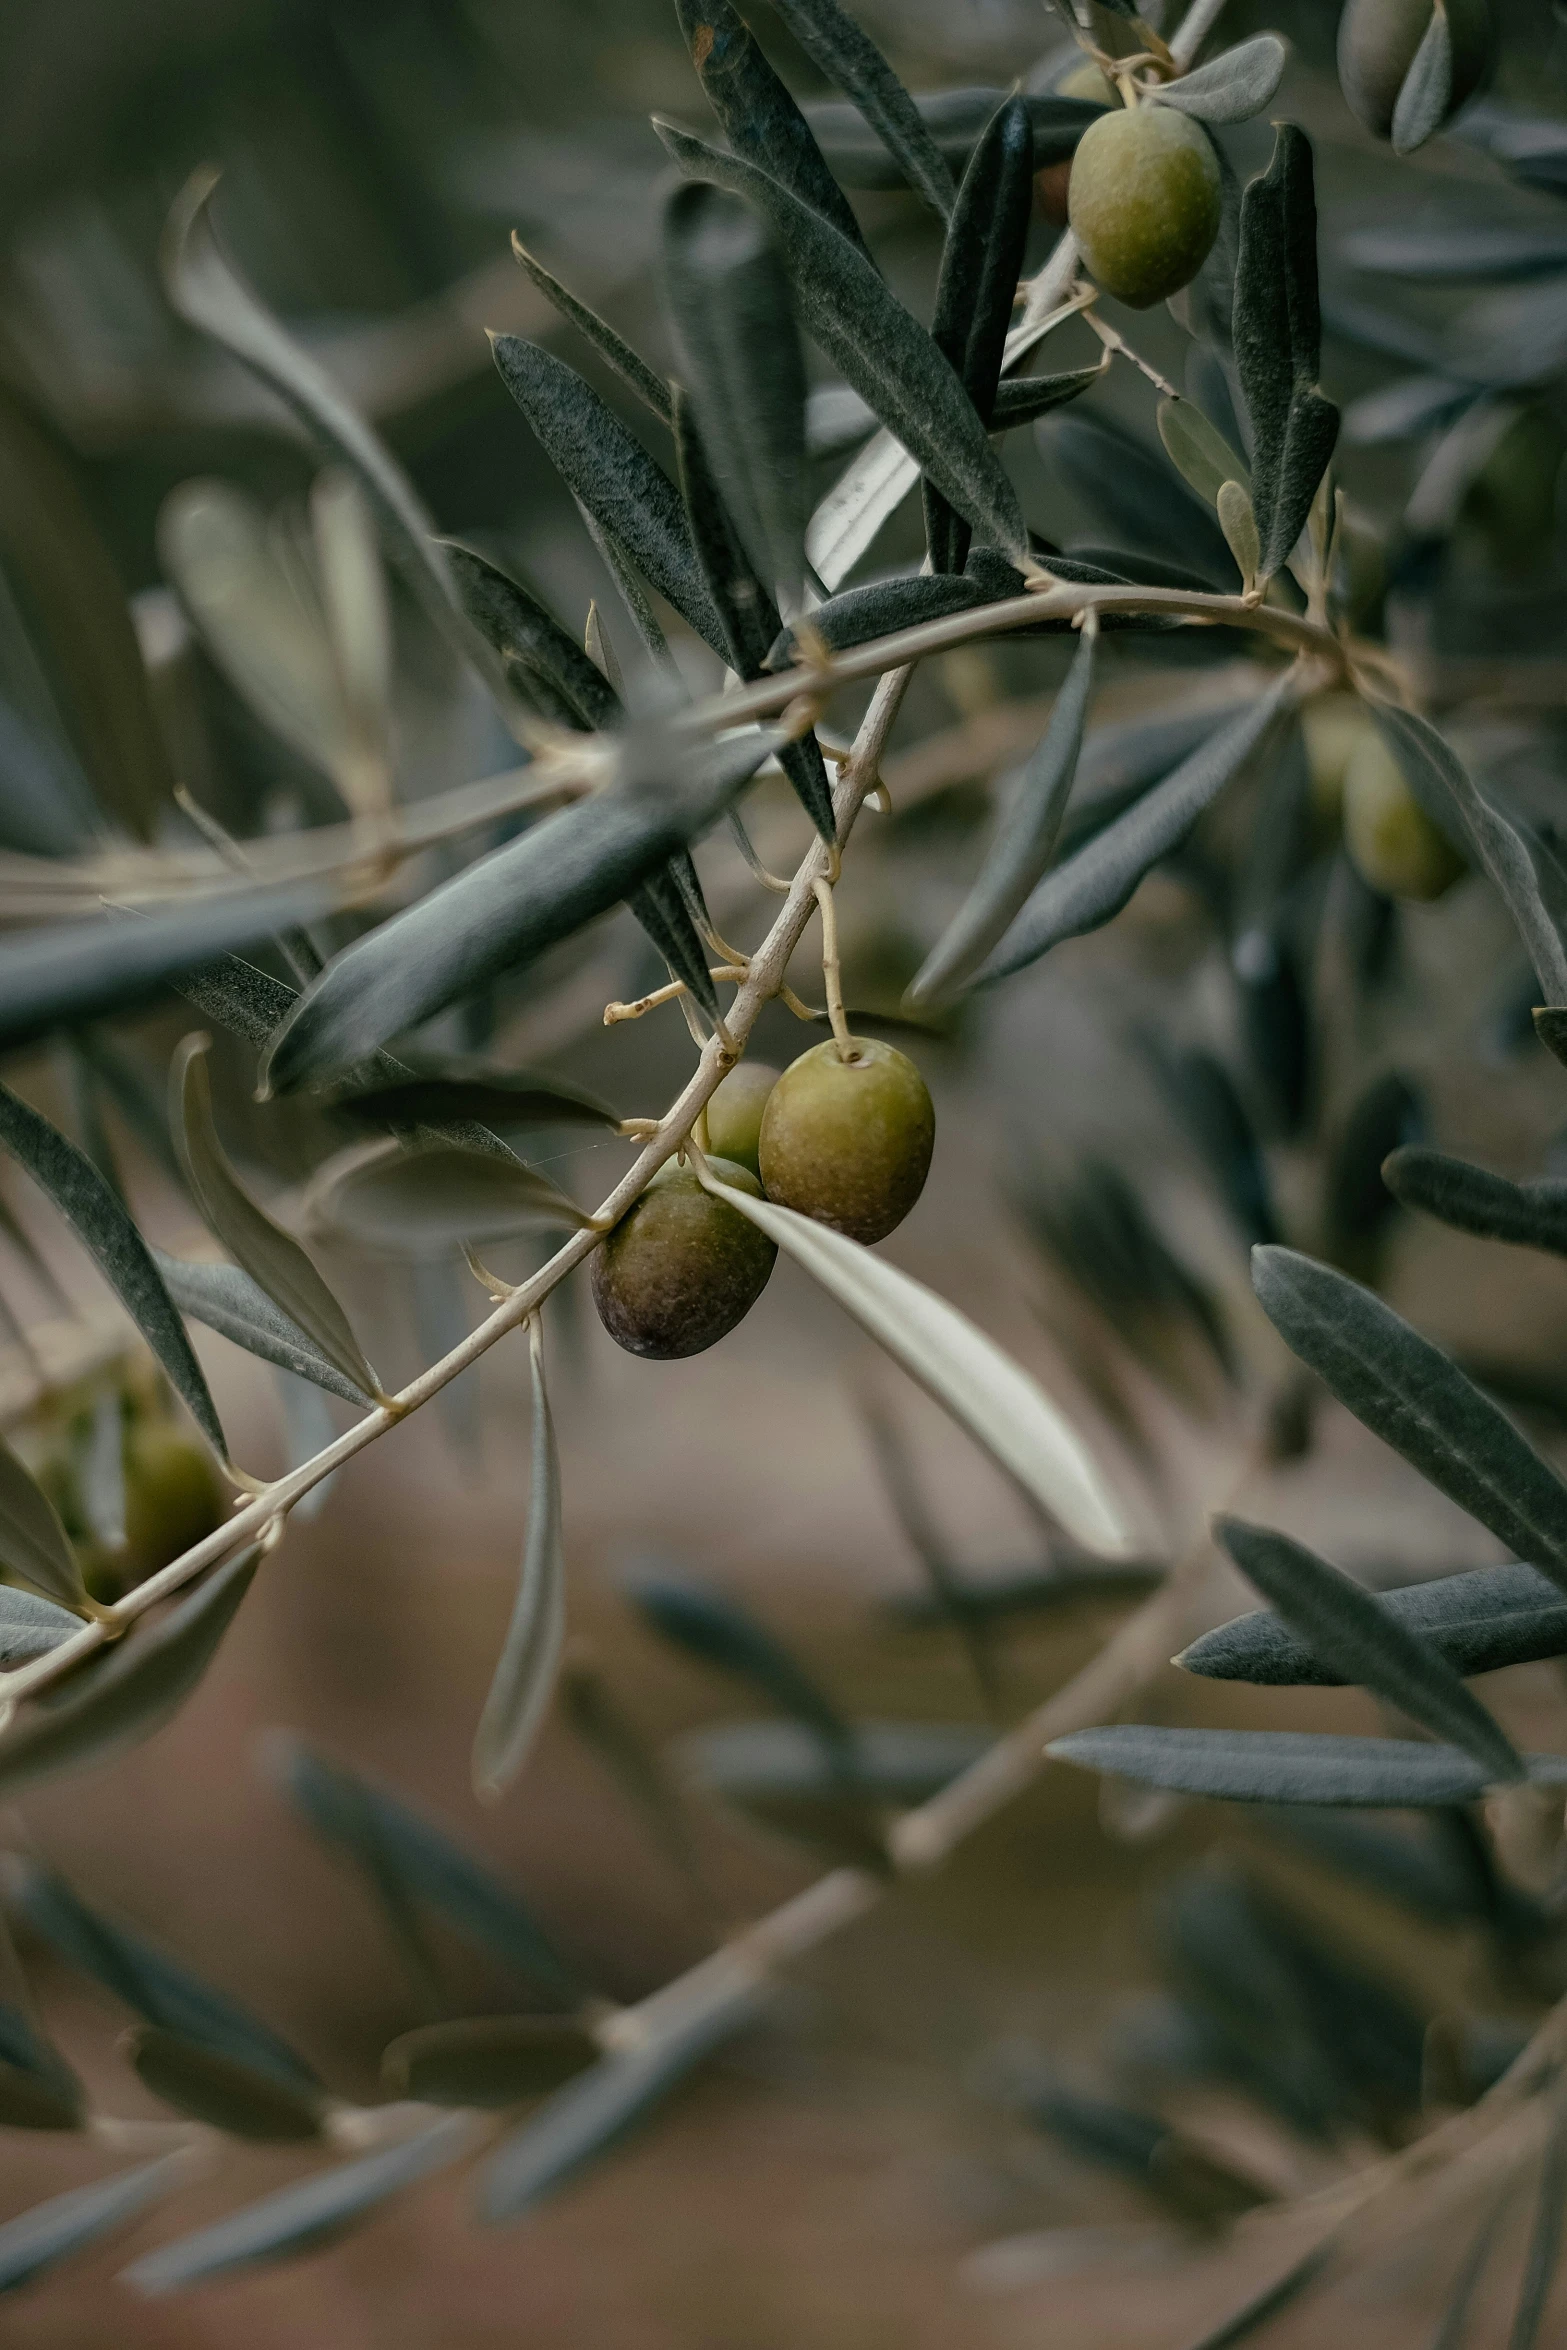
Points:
(832, 970)
(1122, 349)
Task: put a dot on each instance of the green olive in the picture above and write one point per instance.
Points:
(173, 1497)
(681, 1268)
(848, 1141)
(734, 1115)
(1391, 839)
(1335, 726)
(1087, 81)
(1144, 202)
(1377, 40)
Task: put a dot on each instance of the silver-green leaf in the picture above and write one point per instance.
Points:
(1289, 1766)
(530, 1656)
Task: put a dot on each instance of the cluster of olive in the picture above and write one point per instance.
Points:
(843, 1135)
(174, 1496)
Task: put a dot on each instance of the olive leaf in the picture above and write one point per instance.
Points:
(611, 475)
(847, 56)
(359, 635)
(1024, 843)
(611, 347)
(229, 2095)
(530, 638)
(31, 1626)
(1530, 1215)
(451, 1092)
(308, 2213)
(419, 1199)
(664, 915)
(955, 119)
(1479, 1621)
(780, 1769)
(34, 1547)
(505, 909)
(1351, 1631)
(1446, 790)
(1131, 495)
(157, 1987)
(272, 1257)
(530, 1655)
(1198, 450)
(1426, 91)
(845, 306)
(987, 1393)
(729, 301)
(1411, 1395)
(981, 262)
(1239, 525)
(1022, 399)
(866, 495)
(879, 608)
(759, 118)
(1288, 1766)
(1092, 886)
(238, 1308)
(98, 1217)
(117, 1702)
(488, 2060)
(596, 2109)
(716, 1629)
(52, 2231)
(404, 1854)
(1278, 346)
(1231, 87)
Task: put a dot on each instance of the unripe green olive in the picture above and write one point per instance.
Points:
(1087, 81)
(734, 1115)
(1335, 726)
(849, 1141)
(1053, 181)
(1377, 40)
(1144, 202)
(173, 1497)
(1392, 840)
(681, 1268)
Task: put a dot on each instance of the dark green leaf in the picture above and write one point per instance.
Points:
(157, 1987)
(507, 908)
(611, 475)
(231, 2096)
(68, 2223)
(1545, 2241)
(99, 1219)
(1031, 1591)
(299, 2217)
(1480, 1621)
(835, 43)
(1360, 1640)
(133, 1691)
(1445, 789)
(759, 118)
(1530, 1215)
(34, 1547)
(450, 1092)
(30, 1626)
(1231, 87)
(390, 1842)
(858, 614)
(955, 119)
(757, 1764)
(1019, 400)
(1286, 1766)
(271, 1256)
(611, 347)
(530, 1655)
(1203, 1095)
(1359, 1204)
(428, 1198)
(665, 917)
(876, 345)
(1278, 345)
(521, 630)
(594, 2111)
(729, 299)
(981, 263)
(1133, 497)
(1426, 92)
(719, 1631)
(1409, 1393)
(1091, 887)
(488, 2060)
(1024, 842)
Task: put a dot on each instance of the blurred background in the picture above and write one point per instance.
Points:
(881, 2163)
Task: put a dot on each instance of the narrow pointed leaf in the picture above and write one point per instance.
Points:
(358, 632)
(596, 2110)
(1287, 1766)
(769, 1766)
(523, 632)
(1278, 345)
(450, 1092)
(719, 1631)
(1198, 450)
(759, 118)
(1480, 1621)
(734, 322)
(865, 496)
(1021, 400)
(611, 347)
(68, 2223)
(1410, 1394)
(628, 494)
(858, 614)
(488, 2060)
(271, 1256)
(876, 344)
(157, 1987)
(1445, 788)
(34, 1547)
(132, 1692)
(1362, 1641)
(1239, 525)
(1427, 88)
(1024, 843)
(228, 1301)
(530, 1657)
(1529, 1215)
(955, 119)
(847, 56)
(309, 2213)
(987, 1393)
(662, 911)
(429, 1198)
(504, 910)
(30, 1626)
(1232, 87)
(1093, 886)
(231, 2096)
(387, 1840)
